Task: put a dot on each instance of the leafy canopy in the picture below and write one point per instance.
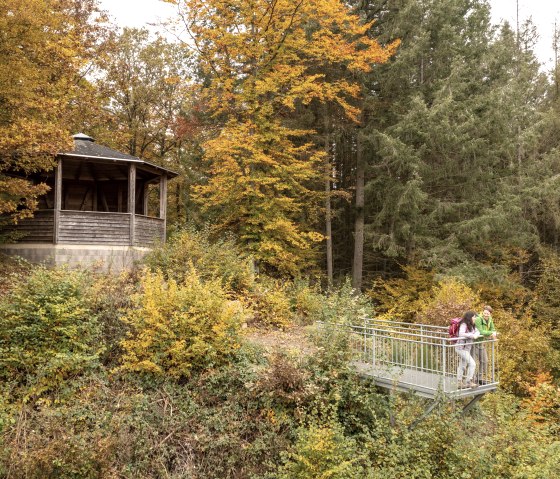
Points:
(259, 60)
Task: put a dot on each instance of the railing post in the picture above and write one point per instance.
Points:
(132, 199)
(421, 348)
(163, 202)
(364, 352)
(57, 200)
(493, 361)
(444, 345)
(374, 345)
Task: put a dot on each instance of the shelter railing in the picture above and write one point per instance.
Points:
(87, 227)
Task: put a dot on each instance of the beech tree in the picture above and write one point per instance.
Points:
(45, 46)
(258, 61)
(144, 82)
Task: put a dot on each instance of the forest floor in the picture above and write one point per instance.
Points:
(292, 340)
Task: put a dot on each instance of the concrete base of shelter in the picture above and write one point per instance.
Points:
(103, 257)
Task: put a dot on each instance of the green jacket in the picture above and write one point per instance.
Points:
(484, 328)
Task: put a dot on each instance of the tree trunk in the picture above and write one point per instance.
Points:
(328, 214)
(357, 267)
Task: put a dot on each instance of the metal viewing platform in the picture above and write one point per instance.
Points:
(417, 358)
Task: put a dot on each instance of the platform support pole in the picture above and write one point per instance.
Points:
(472, 402)
(426, 413)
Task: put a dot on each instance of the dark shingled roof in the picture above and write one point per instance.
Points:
(85, 147)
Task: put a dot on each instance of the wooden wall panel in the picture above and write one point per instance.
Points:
(38, 229)
(148, 231)
(79, 227)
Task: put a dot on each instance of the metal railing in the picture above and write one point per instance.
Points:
(420, 357)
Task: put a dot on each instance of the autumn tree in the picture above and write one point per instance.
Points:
(258, 61)
(144, 81)
(45, 47)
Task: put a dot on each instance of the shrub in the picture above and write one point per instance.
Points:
(284, 381)
(110, 295)
(322, 450)
(220, 259)
(544, 403)
(48, 332)
(307, 300)
(175, 328)
(507, 443)
(524, 352)
(450, 298)
(399, 299)
(546, 301)
(270, 303)
(12, 270)
(344, 305)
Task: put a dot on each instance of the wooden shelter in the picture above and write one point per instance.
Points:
(103, 206)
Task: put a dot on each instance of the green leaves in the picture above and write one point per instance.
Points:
(48, 331)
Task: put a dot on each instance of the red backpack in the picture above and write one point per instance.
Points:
(454, 327)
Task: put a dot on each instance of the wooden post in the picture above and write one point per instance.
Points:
(132, 198)
(119, 198)
(163, 202)
(57, 199)
(145, 198)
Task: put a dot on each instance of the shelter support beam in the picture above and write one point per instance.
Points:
(57, 199)
(163, 202)
(132, 199)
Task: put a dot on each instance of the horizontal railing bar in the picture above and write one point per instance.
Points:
(399, 328)
(386, 334)
(433, 326)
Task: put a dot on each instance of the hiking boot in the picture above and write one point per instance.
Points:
(471, 385)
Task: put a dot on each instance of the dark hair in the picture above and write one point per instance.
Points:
(468, 319)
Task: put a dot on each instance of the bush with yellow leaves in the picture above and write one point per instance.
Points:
(399, 299)
(176, 328)
(270, 302)
(524, 352)
(450, 298)
(323, 450)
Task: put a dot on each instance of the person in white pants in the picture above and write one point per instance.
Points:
(467, 334)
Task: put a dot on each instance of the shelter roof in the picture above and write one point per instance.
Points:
(85, 147)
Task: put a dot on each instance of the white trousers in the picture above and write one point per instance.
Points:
(466, 361)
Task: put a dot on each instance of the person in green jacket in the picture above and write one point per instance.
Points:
(485, 326)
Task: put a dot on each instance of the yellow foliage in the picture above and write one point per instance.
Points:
(177, 327)
(43, 51)
(323, 451)
(261, 62)
(450, 298)
(271, 304)
(544, 402)
(400, 299)
(524, 351)
(308, 301)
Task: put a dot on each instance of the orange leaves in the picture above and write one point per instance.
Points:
(261, 61)
(44, 47)
(260, 51)
(544, 402)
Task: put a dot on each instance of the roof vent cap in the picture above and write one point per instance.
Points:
(83, 137)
